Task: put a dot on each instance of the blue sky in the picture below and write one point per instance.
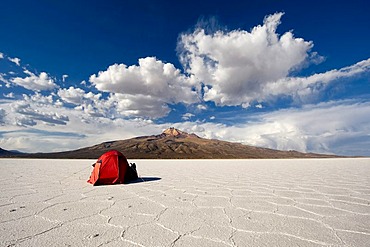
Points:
(277, 74)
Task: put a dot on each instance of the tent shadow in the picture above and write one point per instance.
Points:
(144, 179)
(139, 180)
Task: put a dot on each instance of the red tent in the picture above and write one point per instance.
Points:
(110, 168)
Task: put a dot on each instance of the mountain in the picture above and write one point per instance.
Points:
(177, 144)
(6, 153)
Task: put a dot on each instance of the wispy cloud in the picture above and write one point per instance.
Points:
(64, 78)
(306, 88)
(187, 116)
(15, 60)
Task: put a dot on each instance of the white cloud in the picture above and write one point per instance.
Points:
(30, 115)
(144, 90)
(304, 88)
(92, 96)
(88, 103)
(187, 116)
(35, 82)
(235, 66)
(25, 121)
(202, 107)
(64, 77)
(139, 105)
(32, 110)
(335, 127)
(1, 55)
(38, 99)
(2, 116)
(259, 106)
(72, 95)
(15, 60)
(2, 79)
(9, 95)
(27, 133)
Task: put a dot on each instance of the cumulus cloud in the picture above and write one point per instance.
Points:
(35, 82)
(38, 99)
(138, 105)
(1, 55)
(71, 95)
(202, 107)
(259, 106)
(146, 89)
(236, 66)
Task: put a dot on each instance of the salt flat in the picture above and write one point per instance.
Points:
(311, 202)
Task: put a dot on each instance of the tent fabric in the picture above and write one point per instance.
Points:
(110, 168)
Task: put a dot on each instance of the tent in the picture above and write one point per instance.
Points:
(112, 168)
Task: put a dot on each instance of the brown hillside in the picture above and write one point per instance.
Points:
(176, 144)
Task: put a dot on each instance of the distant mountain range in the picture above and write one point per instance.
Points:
(4, 152)
(171, 144)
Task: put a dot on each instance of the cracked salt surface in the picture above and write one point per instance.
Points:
(313, 202)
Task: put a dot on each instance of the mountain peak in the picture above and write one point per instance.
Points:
(177, 133)
(173, 132)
